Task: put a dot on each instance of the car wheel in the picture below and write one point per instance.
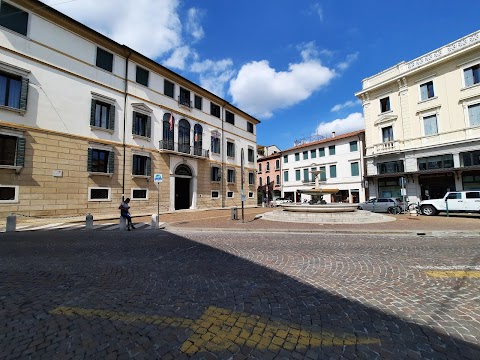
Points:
(359, 208)
(392, 210)
(428, 210)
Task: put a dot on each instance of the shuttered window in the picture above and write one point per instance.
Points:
(141, 124)
(102, 115)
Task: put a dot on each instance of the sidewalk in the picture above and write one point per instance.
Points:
(220, 219)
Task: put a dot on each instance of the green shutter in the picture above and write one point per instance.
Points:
(20, 156)
(149, 126)
(111, 113)
(111, 162)
(92, 113)
(148, 166)
(24, 94)
(89, 160)
(134, 123)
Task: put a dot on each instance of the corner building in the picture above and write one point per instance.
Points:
(85, 121)
(422, 123)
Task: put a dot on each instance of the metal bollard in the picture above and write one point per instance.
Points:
(11, 223)
(89, 222)
(154, 223)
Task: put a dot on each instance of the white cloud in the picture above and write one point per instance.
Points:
(259, 89)
(178, 58)
(214, 75)
(318, 10)
(156, 25)
(344, 65)
(193, 23)
(346, 104)
(352, 122)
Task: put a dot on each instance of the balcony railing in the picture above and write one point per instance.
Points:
(167, 145)
(184, 102)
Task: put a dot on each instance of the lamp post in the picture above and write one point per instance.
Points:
(242, 170)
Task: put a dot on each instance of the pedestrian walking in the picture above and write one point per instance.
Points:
(125, 213)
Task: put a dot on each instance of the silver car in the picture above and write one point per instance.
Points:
(386, 205)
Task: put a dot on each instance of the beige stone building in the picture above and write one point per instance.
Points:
(422, 123)
(85, 121)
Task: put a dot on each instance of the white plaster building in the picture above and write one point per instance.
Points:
(85, 120)
(339, 159)
(422, 123)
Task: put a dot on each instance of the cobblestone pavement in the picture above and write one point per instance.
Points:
(233, 295)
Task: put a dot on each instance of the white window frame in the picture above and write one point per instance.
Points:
(466, 66)
(234, 148)
(426, 113)
(139, 199)
(230, 192)
(143, 154)
(466, 102)
(219, 171)
(102, 188)
(106, 100)
(215, 197)
(15, 70)
(17, 134)
(234, 175)
(15, 200)
(97, 146)
(424, 82)
(436, 120)
(250, 194)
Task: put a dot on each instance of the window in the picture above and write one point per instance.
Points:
(277, 180)
(141, 124)
(230, 149)
(260, 182)
(331, 150)
(313, 154)
(13, 18)
(455, 196)
(142, 76)
(474, 115)
(168, 88)
(249, 127)
(385, 104)
(104, 60)
(231, 176)
(435, 162)
(390, 167)
(12, 150)
(333, 171)
(321, 152)
(184, 98)
(277, 164)
(297, 156)
(250, 194)
(472, 195)
(285, 159)
(426, 91)
(251, 178)
(13, 90)
(215, 110)
(8, 194)
(353, 146)
(102, 115)
(230, 194)
(305, 175)
(215, 143)
(100, 161)
(323, 173)
(267, 169)
(139, 194)
(471, 158)
(268, 181)
(99, 194)
(285, 176)
(305, 155)
(387, 134)
(142, 165)
(198, 102)
(229, 117)
(251, 155)
(260, 168)
(430, 125)
(215, 174)
(472, 75)
(354, 169)
(297, 175)
(215, 194)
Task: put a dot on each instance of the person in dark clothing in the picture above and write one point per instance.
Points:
(125, 212)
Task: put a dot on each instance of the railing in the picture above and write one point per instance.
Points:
(183, 148)
(184, 102)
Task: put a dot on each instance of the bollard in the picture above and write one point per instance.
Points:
(234, 214)
(154, 222)
(11, 223)
(89, 222)
(122, 225)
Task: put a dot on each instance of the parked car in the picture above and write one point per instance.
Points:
(457, 201)
(385, 205)
(280, 201)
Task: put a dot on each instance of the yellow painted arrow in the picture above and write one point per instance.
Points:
(454, 274)
(219, 329)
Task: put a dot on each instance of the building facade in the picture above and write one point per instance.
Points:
(85, 121)
(422, 123)
(339, 161)
(269, 177)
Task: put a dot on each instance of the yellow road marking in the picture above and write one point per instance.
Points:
(219, 329)
(454, 273)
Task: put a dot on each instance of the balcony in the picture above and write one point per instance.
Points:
(387, 147)
(183, 101)
(183, 149)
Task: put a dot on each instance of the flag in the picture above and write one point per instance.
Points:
(171, 122)
(196, 137)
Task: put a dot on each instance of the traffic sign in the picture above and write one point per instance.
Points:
(157, 178)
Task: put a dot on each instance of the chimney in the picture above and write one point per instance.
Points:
(333, 133)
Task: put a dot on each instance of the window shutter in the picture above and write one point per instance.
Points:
(468, 77)
(134, 123)
(20, 156)
(92, 113)
(89, 160)
(474, 114)
(111, 113)
(423, 92)
(149, 126)
(148, 166)
(111, 162)
(24, 94)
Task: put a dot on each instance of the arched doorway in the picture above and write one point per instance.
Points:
(183, 178)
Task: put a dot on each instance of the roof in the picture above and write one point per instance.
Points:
(327, 140)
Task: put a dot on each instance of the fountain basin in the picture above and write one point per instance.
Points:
(320, 208)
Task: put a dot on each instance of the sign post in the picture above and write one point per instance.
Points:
(242, 160)
(158, 178)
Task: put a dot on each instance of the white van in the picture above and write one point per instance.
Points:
(456, 201)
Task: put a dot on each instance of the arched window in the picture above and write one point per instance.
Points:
(268, 181)
(260, 182)
(183, 170)
(184, 136)
(168, 126)
(197, 139)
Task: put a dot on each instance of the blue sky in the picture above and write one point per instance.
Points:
(293, 64)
